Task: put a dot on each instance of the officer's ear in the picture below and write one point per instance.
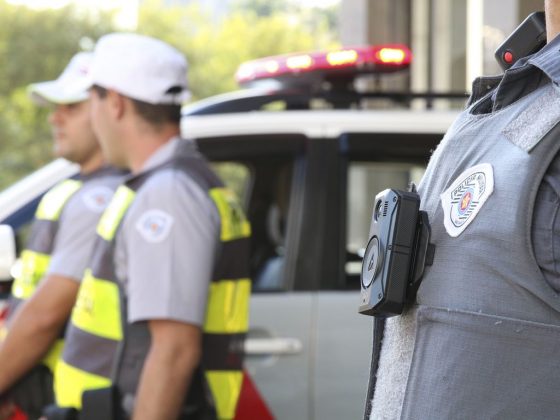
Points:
(116, 104)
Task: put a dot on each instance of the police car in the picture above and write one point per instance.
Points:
(307, 158)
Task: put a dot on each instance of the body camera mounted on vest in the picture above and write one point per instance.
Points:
(396, 254)
(528, 38)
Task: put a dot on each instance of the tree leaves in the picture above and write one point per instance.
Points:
(36, 45)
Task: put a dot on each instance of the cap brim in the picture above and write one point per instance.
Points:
(53, 92)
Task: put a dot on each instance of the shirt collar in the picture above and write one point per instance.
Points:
(164, 153)
(547, 60)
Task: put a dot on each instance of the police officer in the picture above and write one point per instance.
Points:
(163, 309)
(482, 340)
(59, 245)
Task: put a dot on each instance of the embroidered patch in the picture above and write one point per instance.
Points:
(463, 200)
(154, 225)
(97, 198)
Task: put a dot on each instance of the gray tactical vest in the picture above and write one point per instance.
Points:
(483, 340)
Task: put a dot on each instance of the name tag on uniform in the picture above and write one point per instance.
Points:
(465, 197)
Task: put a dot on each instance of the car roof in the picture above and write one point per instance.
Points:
(318, 124)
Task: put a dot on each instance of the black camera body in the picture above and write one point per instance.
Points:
(396, 254)
(526, 39)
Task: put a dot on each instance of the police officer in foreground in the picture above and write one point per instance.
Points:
(157, 330)
(59, 245)
(483, 339)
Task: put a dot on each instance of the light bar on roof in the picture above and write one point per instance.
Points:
(372, 59)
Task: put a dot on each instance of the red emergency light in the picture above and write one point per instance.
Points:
(371, 59)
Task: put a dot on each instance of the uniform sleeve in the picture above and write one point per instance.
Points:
(545, 229)
(171, 237)
(76, 232)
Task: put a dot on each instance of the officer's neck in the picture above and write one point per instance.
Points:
(93, 163)
(552, 13)
(143, 148)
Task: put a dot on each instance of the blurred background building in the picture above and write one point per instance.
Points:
(453, 41)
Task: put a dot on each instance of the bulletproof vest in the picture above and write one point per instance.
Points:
(483, 338)
(103, 348)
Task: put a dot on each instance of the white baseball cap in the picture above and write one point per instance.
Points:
(70, 87)
(141, 68)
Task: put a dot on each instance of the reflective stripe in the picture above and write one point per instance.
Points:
(228, 304)
(53, 202)
(233, 221)
(42, 236)
(33, 267)
(114, 213)
(53, 356)
(225, 384)
(97, 308)
(234, 260)
(75, 381)
(88, 352)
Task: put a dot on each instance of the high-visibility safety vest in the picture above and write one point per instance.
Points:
(102, 348)
(36, 257)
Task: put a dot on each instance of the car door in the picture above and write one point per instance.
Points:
(368, 163)
(308, 350)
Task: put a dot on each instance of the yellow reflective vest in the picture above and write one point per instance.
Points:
(99, 330)
(36, 257)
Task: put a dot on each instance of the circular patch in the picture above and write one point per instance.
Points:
(465, 197)
(97, 198)
(154, 225)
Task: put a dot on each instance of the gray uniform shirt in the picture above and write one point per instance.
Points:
(78, 221)
(527, 75)
(530, 73)
(166, 246)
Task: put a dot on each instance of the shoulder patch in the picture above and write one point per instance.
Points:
(465, 197)
(154, 225)
(97, 198)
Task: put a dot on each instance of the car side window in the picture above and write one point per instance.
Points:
(365, 180)
(237, 177)
(264, 187)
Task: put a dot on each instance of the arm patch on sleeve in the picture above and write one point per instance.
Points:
(154, 225)
(97, 198)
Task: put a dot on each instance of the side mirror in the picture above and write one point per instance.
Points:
(7, 252)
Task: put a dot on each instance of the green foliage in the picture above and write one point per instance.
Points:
(262, 7)
(215, 49)
(36, 45)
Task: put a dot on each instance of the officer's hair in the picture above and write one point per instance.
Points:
(156, 115)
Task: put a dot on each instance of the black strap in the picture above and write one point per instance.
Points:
(34, 391)
(378, 331)
(102, 403)
(53, 412)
